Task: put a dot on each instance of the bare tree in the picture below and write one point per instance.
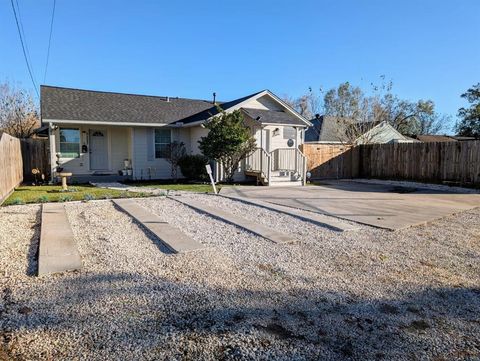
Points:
(19, 114)
(355, 114)
(350, 110)
(176, 151)
(308, 104)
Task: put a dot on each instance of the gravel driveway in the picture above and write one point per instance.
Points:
(363, 294)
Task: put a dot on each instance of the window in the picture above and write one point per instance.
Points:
(288, 132)
(163, 138)
(69, 142)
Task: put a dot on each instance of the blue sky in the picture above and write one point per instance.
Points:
(430, 49)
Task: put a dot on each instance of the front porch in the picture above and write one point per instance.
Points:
(91, 151)
(282, 166)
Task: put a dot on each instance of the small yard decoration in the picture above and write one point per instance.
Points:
(35, 173)
(228, 141)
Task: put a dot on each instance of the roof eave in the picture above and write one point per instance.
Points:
(94, 122)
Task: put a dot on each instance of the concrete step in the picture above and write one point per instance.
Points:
(174, 239)
(319, 219)
(288, 183)
(253, 227)
(58, 250)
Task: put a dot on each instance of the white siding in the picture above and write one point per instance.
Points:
(196, 133)
(79, 165)
(157, 168)
(118, 147)
(278, 141)
(142, 167)
(265, 102)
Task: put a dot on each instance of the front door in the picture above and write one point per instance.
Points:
(98, 149)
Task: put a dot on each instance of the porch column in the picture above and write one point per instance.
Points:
(53, 151)
(296, 149)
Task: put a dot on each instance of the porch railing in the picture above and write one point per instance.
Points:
(259, 161)
(289, 159)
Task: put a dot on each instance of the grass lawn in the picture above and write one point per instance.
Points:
(43, 194)
(199, 188)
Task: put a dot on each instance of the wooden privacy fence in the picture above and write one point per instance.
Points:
(35, 155)
(327, 161)
(457, 162)
(11, 165)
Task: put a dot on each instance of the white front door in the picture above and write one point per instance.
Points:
(98, 149)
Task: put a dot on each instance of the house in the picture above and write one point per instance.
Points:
(428, 138)
(335, 130)
(99, 135)
(383, 133)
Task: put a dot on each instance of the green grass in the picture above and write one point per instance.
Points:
(43, 194)
(199, 188)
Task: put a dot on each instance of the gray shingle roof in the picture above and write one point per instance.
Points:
(213, 110)
(273, 117)
(74, 104)
(325, 129)
(96, 106)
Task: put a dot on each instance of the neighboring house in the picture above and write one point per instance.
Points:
(96, 134)
(442, 138)
(333, 130)
(427, 138)
(383, 133)
(326, 129)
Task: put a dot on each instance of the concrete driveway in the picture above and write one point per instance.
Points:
(378, 205)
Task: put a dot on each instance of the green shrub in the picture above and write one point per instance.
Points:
(193, 167)
(88, 197)
(66, 198)
(17, 201)
(43, 199)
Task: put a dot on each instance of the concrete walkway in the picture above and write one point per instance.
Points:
(380, 205)
(58, 251)
(319, 219)
(253, 227)
(171, 237)
(124, 187)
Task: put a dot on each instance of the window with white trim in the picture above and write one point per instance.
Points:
(69, 142)
(163, 138)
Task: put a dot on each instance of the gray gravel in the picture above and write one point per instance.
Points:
(363, 294)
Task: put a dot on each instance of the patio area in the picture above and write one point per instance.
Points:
(382, 204)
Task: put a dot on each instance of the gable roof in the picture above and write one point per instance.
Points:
(427, 138)
(213, 110)
(383, 133)
(89, 106)
(334, 130)
(264, 116)
(326, 129)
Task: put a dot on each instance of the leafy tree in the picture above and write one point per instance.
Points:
(176, 151)
(18, 112)
(469, 125)
(228, 141)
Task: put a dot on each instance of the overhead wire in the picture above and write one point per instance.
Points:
(49, 41)
(19, 29)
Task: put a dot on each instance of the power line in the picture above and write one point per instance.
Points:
(23, 48)
(49, 41)
(24, 37)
